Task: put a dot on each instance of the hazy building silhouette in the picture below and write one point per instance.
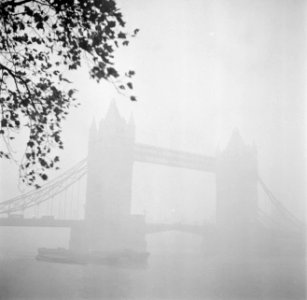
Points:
(110, 226)
(236, 185)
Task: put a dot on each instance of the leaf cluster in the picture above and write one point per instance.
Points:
(39, 41)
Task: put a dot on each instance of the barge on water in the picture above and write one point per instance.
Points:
(113, 258)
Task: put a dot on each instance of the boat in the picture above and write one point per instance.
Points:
(60, 255)
(122, 258)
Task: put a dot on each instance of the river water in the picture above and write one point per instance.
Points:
(177, 269)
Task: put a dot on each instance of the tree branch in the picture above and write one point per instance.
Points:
(14, 4)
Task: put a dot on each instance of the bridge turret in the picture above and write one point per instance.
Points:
(112, 170)
(92, 190)
(108, 203)
(236, 186)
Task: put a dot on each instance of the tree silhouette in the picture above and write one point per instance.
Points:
(39, 40)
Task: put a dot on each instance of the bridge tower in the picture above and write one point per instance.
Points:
(236, 193)
(110, 226)
(110, 167)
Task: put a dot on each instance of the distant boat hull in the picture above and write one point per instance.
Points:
(123, 258)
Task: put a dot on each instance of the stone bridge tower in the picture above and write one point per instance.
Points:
(110, 167)
(236, 193)
(110, 226)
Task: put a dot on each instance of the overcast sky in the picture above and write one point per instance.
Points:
(204, 68)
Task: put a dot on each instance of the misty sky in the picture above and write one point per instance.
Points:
(204, 68)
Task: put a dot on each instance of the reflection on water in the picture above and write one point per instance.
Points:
(179, 272)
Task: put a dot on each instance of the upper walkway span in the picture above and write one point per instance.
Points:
(181, 159)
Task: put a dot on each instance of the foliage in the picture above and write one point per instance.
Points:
(39, 40)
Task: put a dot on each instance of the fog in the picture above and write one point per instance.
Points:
(195, 191)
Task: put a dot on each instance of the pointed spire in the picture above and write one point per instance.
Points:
(131, 121)
(236, 143)
(93, 130)
(113, 123)
(254, 146)
(236, 134)
(131, 126)
(113, 112)
(236, 138)
(218, 149)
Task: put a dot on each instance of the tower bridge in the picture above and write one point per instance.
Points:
(108, 223)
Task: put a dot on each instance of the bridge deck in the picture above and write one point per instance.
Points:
(150, 227)
(24, 222)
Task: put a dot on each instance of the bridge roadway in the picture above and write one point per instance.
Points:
(51, 222)
(37, 222)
